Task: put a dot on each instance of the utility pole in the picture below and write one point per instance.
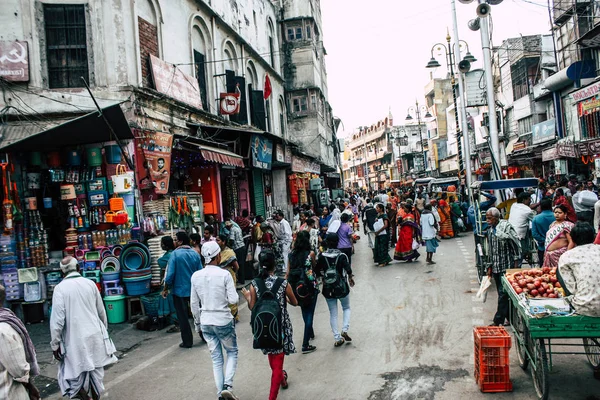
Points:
(463, 109)
(489, 82)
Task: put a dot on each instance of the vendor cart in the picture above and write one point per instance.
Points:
(537, 338)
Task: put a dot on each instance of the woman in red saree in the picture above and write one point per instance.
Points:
(558, 238)
(560, 198)
(409, 229)
(444, 210)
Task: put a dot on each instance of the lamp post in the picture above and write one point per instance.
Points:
(400, 140)
(417, 110)
(462, 135)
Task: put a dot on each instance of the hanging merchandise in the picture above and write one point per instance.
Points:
(156, 147)
(7, 205)
(180, 214)
(123, 180)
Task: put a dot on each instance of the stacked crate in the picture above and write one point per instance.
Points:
(492, 347)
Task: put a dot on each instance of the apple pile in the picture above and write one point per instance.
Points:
(536, 282)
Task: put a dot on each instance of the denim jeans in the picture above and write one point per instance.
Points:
(333, 315)
(308, 313)
(217, 338)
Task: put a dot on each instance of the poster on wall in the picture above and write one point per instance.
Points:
(156, 147)
(14, 61)
(262, 152)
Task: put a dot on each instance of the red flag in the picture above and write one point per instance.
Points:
(268, 88)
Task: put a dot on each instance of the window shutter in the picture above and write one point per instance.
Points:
(259, 115)
(231, 81)
(201, 76)
(259, 192)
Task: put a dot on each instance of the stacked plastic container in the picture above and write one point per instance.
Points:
(492, 347)
(8, 266)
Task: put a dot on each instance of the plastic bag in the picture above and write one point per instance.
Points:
(415, 244)
(486, 282)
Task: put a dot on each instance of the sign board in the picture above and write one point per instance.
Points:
(590, 148)
(567, 149)
(300, 164)
(279, 153)
(156, 147)
(288, 154)
(543, 132)
(550, 154)
(519, 146)
(262, 152)
(475, 94)
(229, 103)
(586, 92)
(170, 80)
(560, 167)
(14, 61)
(589, 106)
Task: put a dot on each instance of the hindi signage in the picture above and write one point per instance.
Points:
(550, 154)
(567, 149)
(262, 152)
(300, 164)
(590, 148)
(543, 132)
(170, 80)
(586, 92)
(279, 153)
(14, 61)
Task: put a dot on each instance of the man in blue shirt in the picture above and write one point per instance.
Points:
(483, 207)
(183, 263)
(540, 225)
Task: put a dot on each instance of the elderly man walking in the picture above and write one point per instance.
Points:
(18, 363)
(80, 340)
(505, 252)
(284, 237)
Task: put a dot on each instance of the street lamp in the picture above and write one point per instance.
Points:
(417, 110)
(463, 67)
(400, 138)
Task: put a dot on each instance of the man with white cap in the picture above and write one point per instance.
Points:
(80, 340)
(213, 291)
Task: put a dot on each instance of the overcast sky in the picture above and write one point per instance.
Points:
(377, 50)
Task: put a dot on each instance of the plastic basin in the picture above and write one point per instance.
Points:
(138, 287)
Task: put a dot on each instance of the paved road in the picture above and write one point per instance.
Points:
(412, 330)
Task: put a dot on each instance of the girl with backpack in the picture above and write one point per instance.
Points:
(334, 267)
(257, 296)
(302, 280)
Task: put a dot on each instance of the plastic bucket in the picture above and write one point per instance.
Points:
(35, 158)
(74, 158)
(115, 309)
(138, 287)
(94, 157)
(113, 154)
(53, 160)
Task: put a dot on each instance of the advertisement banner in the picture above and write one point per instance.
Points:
(14, 61)
(550, 154)
(300, 164)
(156, 147)
(170, 80)
(262, 152)
(589, 106)
(543, 132)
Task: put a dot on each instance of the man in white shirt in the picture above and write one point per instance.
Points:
(584, 201)
(213, 291)
(384, 198)
(520, 218)
(18, 362)
(284, 237)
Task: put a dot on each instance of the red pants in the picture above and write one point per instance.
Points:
(276, 363)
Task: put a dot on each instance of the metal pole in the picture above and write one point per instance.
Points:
(418, 111)
(463, 101)
(489, 82)
(367, 180)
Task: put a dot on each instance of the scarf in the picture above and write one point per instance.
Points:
(227, 257)
(10, 318)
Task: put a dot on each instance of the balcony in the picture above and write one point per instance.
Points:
(564, 9)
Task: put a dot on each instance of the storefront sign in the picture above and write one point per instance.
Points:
(170, 80)
(14, 61)
(300, 164)
(262, 152)
(550, 154)
(334, 175)
(288, 154)
(590, 148)
(589, 106)
(279, 153)
(156, 147)
(586, 92)
(543, 132)
(519, 146)
(567, 149)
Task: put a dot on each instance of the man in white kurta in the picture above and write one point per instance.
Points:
(80, 339)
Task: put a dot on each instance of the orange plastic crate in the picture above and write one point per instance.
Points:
(492, 336)
(491, 356)
(494, 379)
(491, 351)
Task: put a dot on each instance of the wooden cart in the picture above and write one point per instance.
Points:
(536, 339)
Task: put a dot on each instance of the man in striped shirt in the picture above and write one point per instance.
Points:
(504, 249)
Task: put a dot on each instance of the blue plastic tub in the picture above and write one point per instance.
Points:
(111, 276)
(138, 287)
(113, 154)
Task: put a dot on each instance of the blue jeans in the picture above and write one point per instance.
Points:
(217, 338)
(308, 313)
(333, 315)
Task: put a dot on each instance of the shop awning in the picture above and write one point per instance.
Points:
(573, 73)
(87, 129)
(216, 155)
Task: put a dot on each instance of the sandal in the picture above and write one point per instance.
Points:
(284, 383)
(173, 329)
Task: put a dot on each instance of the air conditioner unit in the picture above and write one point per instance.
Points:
(315, 184)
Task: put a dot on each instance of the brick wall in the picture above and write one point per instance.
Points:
(148, 45)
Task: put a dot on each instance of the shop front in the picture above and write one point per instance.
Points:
(304, 181)
(261, 158)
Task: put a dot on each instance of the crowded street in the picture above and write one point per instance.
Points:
(412, 339)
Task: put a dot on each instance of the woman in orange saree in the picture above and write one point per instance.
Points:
(446, 231)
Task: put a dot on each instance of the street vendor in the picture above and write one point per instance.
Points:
(579, 271)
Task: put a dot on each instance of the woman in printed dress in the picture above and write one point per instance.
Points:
(558, 238)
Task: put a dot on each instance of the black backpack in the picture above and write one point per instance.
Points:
(370, 216)
(302, 287)
(267, 318)
(334, 284)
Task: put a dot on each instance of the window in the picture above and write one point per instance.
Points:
(308, 34)
(525, 125)
(66, 45)
(299, 104)
(290, 34)
(298, 33)
(313, 102)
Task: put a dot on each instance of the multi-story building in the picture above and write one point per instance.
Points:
(442, 158)
(166, 63)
